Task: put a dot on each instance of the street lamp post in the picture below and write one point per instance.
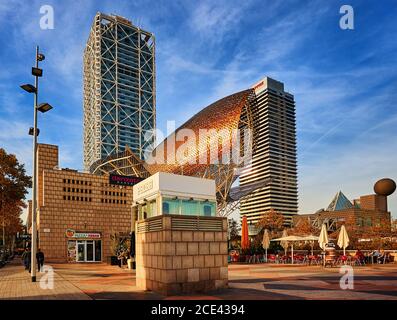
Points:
(34, 202)
(43, 107)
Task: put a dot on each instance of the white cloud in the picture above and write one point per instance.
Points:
(214, 19)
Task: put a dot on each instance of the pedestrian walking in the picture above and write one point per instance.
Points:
(25, 259)
(29, 259)
(40, 259)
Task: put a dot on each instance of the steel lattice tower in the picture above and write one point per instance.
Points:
(119, 89)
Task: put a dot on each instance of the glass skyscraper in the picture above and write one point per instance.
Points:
(119, 89)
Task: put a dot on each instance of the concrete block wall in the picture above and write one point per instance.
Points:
(181, 261)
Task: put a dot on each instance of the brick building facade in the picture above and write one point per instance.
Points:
(78, 212)
(369, 212)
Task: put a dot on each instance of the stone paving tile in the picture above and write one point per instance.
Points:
(270, 282)
(15, 283)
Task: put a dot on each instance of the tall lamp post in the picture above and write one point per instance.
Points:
(43, 107)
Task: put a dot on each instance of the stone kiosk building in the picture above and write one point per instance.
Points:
(181, 246)
(78, 212)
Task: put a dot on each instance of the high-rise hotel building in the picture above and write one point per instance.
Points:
(274, 157)
(119, 88)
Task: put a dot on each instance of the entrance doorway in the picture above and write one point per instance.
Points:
(87, 250)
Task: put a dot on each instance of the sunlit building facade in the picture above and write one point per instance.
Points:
(265, 114)
(119, 88)
(366, 215)
(274, 157)
(223, 117)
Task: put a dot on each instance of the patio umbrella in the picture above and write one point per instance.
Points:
(244, 234)
(284, 243)
(288, 239)
(266, 242)
(343, 239)
(323, 238)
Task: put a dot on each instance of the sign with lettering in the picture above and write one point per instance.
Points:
(124, 180)
(145, 187)
(82, 235)
(25, 236)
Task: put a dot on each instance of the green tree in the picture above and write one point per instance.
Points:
(14, 184)
(271, 220)
(303, 228)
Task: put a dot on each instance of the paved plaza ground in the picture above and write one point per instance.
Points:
(253, 282)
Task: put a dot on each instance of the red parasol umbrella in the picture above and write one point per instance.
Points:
(244, 234)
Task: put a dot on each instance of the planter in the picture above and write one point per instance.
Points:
(113, 261)
(131, 264)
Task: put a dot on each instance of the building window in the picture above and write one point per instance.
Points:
(170, 206)
(166, 207)
(208, 209)
(190, 207)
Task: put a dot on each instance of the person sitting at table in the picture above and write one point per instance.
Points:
(360, 256)
(375, 254)
(382, 256)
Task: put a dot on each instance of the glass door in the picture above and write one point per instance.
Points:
(98, 250)
(89, 251)
(80, 251)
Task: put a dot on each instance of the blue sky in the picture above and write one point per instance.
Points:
(344, 81)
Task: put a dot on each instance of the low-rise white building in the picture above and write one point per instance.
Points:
(166, 193)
